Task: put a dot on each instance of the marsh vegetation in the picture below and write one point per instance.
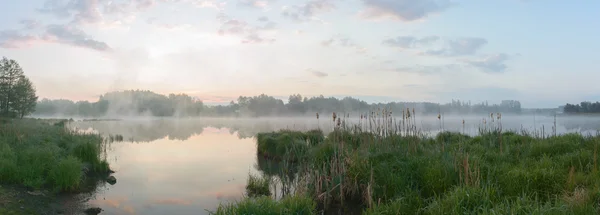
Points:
(391, 168)
(47, 158)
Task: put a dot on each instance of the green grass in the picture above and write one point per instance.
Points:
(391, 169)
(286, 144)
(38, 154)
(257, 186)
(266, 206)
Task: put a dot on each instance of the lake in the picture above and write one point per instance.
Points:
(189, 166)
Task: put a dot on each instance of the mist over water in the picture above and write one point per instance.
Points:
(150, 129)
(188, 166)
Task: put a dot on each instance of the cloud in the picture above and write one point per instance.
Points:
(231, 26)
(173, 27)
(459, 47)
(11, 39)
(308, 11)
(73, 36)
(345, 42)
(167, 26)
(407, 42)
(209, 4)
(263, 19)
(317, 74)
(92, 12)
(255, 39)
(69, 35)
(403, 10)
(30, 24)
(254, 3)
(428, 70)
(82, 11)
(492, 63)
(250, 34)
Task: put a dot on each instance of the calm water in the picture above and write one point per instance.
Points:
(169, 166)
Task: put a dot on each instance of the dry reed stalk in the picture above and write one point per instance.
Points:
(466, 169)
(596, 157)
(369, 196)
(570, 181)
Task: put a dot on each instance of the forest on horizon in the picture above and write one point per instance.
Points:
(148, 103)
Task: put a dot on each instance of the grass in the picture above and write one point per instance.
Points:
(389, 167)
(267, 206)
(286, 144)
(257, 186)
(41, 155)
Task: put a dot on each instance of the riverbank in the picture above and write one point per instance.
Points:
(40, 160)
(392, 169)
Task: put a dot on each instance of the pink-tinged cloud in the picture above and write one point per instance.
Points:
(403, 10)
(254, 3)
(16, 40)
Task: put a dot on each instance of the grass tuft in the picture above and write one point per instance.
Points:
(257, 186)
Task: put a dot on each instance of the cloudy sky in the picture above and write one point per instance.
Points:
(542, 52)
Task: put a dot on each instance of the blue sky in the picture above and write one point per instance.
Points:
(540, 52)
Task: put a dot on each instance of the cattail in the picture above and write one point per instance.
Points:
(339, 122)
(484, 122)
(334, 116)
(499, 115)
(463, 122)
(439, 116)
(317, 115)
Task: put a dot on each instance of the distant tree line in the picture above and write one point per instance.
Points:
(137, 102)
(17, 93)
(583, 107)
(132, 102)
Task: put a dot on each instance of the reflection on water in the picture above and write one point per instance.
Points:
(182, 129)
(190, 166)
(169, 176)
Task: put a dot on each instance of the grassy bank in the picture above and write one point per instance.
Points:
(390, 169)
(43, 155)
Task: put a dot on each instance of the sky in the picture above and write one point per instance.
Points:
(541, 52)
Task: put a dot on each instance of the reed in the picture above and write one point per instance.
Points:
(391, 167)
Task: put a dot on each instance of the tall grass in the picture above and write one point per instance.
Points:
(38, 154)
(264, 205)
(257, 186)
(390, 167)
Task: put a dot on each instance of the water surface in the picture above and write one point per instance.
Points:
(189, 166)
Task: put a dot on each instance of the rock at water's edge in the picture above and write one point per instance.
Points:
(93, 211)
(111, 180)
